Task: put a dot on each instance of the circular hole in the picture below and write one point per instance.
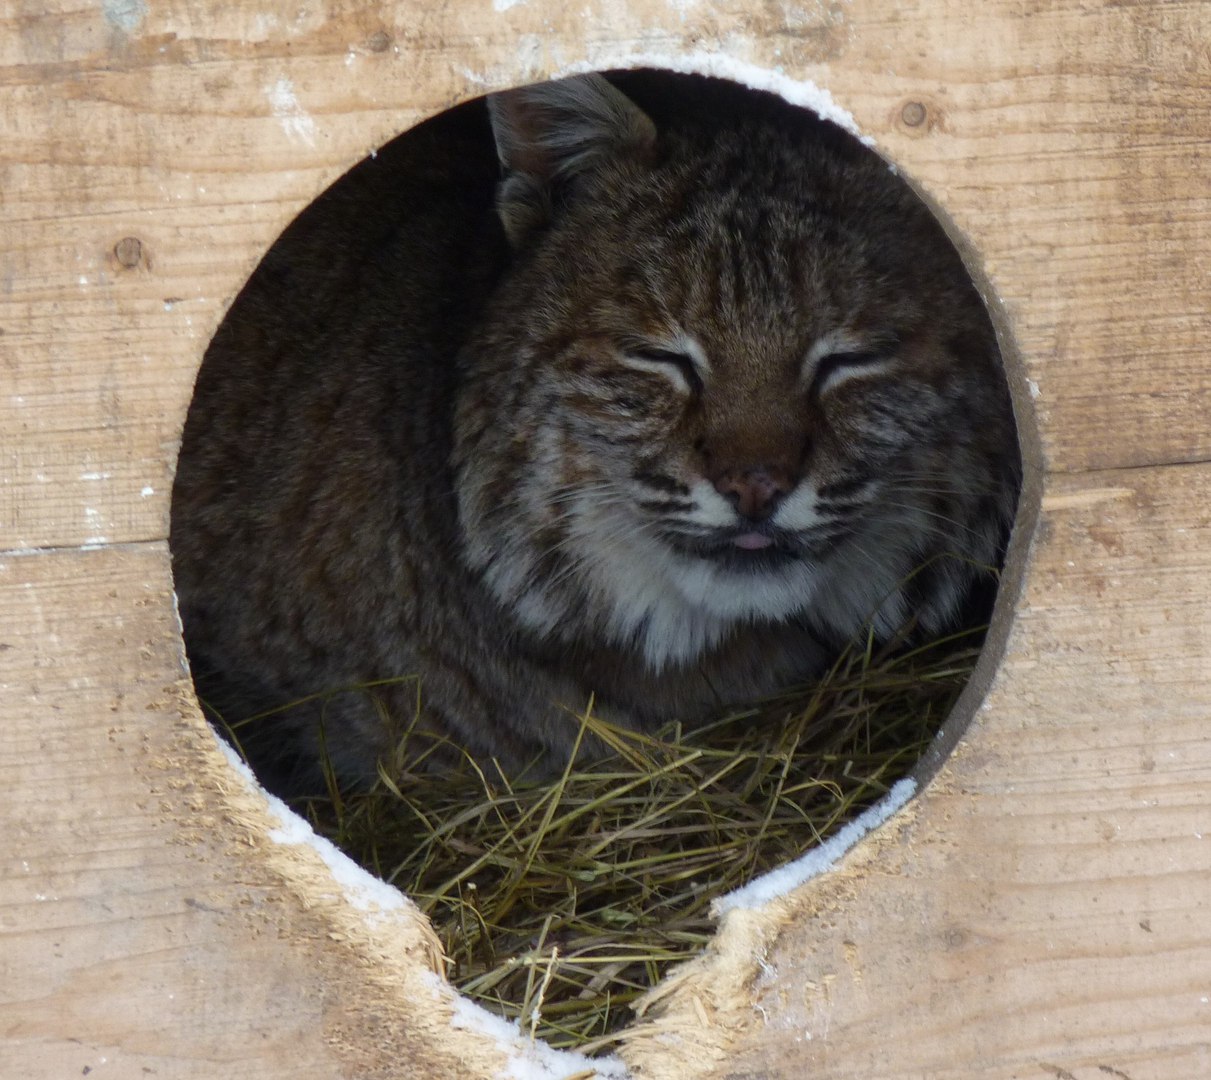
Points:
(593, 499)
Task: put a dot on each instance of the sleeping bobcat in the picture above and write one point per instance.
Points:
(705, 393)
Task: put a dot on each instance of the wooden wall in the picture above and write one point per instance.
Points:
(1043, 910)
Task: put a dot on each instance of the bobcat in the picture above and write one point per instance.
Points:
(706, 393)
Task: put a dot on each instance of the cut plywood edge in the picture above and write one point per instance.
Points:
(1038, 911)
(702, 1011)
(390, 941)
(157, 881)
(1044, 904)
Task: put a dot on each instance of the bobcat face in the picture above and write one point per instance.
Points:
(726, 396)
(730, 401)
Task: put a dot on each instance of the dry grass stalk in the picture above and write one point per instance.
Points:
(561, 902)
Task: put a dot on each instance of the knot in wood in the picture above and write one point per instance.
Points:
(129, 252)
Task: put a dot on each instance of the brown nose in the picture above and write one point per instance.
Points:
(754, 492)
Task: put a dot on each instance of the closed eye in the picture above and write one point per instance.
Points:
(680, 367)
(838, 367)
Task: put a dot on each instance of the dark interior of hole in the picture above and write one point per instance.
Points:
(750, 305)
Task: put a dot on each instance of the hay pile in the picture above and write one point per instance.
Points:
(560, 903)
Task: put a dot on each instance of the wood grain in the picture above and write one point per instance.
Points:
(117, 931)
(150, 922)
(1040, 912)
(1046, 901)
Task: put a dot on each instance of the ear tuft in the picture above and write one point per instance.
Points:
(549, 133)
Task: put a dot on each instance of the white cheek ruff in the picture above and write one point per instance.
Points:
(626, 586)
(674, 606)
(744, 596)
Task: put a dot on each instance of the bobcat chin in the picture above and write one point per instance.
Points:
(707, 394)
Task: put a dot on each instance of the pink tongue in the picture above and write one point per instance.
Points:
(752, 541)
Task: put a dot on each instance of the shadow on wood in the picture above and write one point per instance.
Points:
(1041, 910)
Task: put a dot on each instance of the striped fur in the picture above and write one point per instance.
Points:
(537, 494)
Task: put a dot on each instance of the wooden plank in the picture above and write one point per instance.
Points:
(1074, 181)
(1046, 904)
(148, 924)
(112, 930)
(1039, 913)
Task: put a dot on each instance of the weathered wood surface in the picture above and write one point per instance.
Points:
(1042, 911)
(1044, 905)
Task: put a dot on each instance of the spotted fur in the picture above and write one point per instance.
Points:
(726, 397)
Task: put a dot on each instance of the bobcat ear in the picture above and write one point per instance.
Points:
(550, 133)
